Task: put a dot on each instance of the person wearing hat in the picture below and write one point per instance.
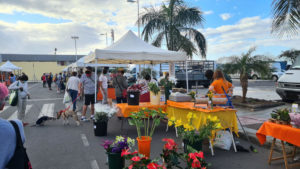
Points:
(87, 85)
(120, 84)
(22, 87)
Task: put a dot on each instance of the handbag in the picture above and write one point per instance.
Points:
(13, 98)
(20, 158)
(67, 98)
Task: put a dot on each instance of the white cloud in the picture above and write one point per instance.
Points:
(225, 16)
(237, 38)
(208, 12)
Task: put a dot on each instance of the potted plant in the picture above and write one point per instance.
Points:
(114, 150)
(139, 161)
(210, 96)
(170, 155)
(282, 116)
(102, 115)
(154, 93)
(190, 135)
(133, 94)
(141, 119)
(167, 84)
(193, 95)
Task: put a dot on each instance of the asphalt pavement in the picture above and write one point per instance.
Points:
(55, 146)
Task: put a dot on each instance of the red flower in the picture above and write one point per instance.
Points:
(170, 145)
(200, 155)
(130, 167)
(135, 152)
(196, 163)
(192, 156)
(152, 166)
(136, 158)
(125, 152)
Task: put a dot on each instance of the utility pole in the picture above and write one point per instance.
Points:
(112, 36)
(75, 38)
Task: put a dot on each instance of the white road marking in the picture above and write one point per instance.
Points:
(15, 114)
(84, 140)
(5, 107)
(47, 110)
(30, 100)
(94, 164)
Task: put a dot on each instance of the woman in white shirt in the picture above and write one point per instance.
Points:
(73, 88)
(22, 87)
(103, 83)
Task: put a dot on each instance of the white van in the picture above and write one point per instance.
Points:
(288, 86)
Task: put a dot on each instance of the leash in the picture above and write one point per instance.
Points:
(70, 105)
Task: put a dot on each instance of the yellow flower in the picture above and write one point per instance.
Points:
(189, 115)
(163, 112)
(170, 123)
(173, 118)
(143, 108)
(214, 119)
(218, 126)
(178, 123)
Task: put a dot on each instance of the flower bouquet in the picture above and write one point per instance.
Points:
(133, 94)
(102, 115)
(141, 119)
(114, 150)
(190, 135)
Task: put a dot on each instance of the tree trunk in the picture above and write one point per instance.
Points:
(244, 84)
(172, 69)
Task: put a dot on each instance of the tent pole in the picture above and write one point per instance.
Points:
(96, 80)
(186, 75)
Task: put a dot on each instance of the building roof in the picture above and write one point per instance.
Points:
(38, 58)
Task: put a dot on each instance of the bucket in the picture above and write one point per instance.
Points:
(100, 128)
(144, 145)
(115, 161)
(155, 99)
(133, 98)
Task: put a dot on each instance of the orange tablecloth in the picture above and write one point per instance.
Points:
(179, 110)
(110, 94)
(126, 109)
(278, 131)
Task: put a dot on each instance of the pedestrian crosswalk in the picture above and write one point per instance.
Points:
(47, 110)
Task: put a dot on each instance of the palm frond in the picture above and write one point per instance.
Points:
(188, 17)
(286, 17)
(200, 41)
(158, 39)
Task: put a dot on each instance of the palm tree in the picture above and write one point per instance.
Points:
(290, 55)
(173, 24)
(244, 65)
(286, 17)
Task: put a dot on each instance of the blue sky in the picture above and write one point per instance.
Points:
(231, 26)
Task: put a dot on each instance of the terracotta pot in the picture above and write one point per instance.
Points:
(144, 145)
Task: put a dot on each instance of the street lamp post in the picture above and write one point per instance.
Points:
(105, 37)
(138, 8)
(75, 38)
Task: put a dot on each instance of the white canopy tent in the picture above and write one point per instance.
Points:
(81, 63)
(10, 66)
(130, 49)
(5, 70)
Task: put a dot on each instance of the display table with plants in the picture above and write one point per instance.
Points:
(284, 133)
(125, 109)
(102, 114)
(114, 149)
(146, 121)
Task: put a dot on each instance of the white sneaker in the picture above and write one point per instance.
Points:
(92, 117)
(83, 118)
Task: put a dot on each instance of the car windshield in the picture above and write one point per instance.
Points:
(296, 64)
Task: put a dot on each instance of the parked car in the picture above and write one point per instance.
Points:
(278, 69)
(288, 86)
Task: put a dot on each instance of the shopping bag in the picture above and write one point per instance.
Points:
(67, 98)
(223, 140)
(13, 98)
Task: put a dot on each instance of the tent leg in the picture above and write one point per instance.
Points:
(186, 76)
(96, 80)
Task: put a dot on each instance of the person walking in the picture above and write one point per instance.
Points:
(12, 78)
(73, 88)
(103, 84)
(87, 85)
(44, 80)
(58, 82)
(22, 87)
(49, 80)
(120, 84)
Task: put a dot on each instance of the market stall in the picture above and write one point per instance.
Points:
(6, 68)
(284, 133)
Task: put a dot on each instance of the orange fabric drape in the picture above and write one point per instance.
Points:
(282, 132)
(125, 109)
(110, 94)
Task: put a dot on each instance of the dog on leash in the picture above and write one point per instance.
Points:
(66, 114)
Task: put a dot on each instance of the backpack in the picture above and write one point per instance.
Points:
(20, 159)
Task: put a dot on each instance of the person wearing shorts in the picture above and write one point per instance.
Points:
(88, 84)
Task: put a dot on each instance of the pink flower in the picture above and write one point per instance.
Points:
(200, 155)
(152, 166)
(196, 163)
(130, 167)
(125, 152)
(192, 156)
(136, 158)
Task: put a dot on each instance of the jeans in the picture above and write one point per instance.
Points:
(104, 94)
(121, 100)
(73, 94)
(21, 108)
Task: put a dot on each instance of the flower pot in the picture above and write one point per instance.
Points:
(100, 128)
(155, 99)
(197, 145)
(144, 145)
(115, 161)
(133, 98)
